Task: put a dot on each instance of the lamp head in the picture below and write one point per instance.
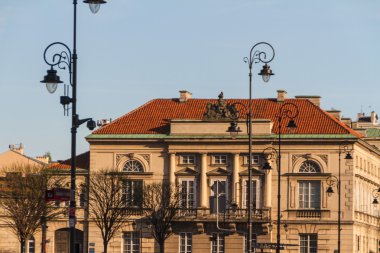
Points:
(375, 202)
(233, 129)
(94, 5)
(267, 166)
(329, 191)
(266, 72)
(51, 80)
(291, 125)
(348, 156)
(134, 225)
(286, 227)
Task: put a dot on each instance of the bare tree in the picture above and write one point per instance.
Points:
(160, 203)
(22, 200)
(107, 207)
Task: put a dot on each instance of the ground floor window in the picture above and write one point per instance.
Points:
(308, 243)
(217, 243)
(131, 242)
(185, 242)
(31, 245)
(254, 240)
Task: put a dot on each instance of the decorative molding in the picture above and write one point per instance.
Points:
(146, 157)
(324, 157)
(294, 159)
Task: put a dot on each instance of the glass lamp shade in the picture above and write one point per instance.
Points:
(51, 80)
(266, 72)
(51, 87)
(94, 5)
(94, 8)
(375, 202)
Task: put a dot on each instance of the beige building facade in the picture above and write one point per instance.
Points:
(185, 141)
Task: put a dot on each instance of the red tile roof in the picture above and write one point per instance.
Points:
(154, 116)
(82, 162)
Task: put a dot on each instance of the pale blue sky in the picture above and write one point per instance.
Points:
(136, 50)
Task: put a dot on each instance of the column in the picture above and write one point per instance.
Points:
(203, 181)
(235, 179)
(268, 188)
(172, 168)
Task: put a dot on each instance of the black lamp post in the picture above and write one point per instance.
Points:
(62, 60)
(255, 56)
(333, 181)
(289, 111)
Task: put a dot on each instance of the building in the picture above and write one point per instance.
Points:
(184, 141)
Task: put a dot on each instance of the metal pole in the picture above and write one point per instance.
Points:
(249, 241)
(72, 216)
(339, 201)
(279, 188)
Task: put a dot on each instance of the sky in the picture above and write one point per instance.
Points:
(133, 51)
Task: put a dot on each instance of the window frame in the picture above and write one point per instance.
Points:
(219, 239)
(125, 194)
(132, 167)
(131, 242)
(308, 204)
(187, 159)
(308, 241)
(217, 159)
(188, 237)
(257, 192)
(187, 180)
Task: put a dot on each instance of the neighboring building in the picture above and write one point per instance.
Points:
(184, 141)
(15, 155)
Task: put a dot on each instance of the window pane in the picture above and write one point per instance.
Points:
(309, 194)
(131, 242)
(185, 242)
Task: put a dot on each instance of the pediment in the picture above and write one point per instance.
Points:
(218, 172)
(186, 172)
(255, 172)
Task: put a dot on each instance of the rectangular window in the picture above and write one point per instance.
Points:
(185, 242)
(309, 194)
(217, 243)
(255, 194)
(31, 246)
(187, 193)
(132, 193)
(308, 243)
(187, 159)
(131, 242)
(220, 159)
(255, 159)
(218, 194)
(254, 240)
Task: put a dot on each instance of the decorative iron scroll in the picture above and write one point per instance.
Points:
(221, 111)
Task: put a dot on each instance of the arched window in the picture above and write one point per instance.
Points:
(310, 167)
(133, 166)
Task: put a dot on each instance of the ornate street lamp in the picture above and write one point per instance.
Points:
(333, 181)
(287, 111)
(255, 56)
(63, 58)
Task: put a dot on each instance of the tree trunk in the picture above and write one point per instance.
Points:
(162, 247)
(105, 246)
(22, 246)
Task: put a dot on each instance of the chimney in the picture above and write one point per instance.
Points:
(316, 100)
(184, 95)
(374, 117)
(336, 113)
(45, 159)
(281, 96)
(17, 148)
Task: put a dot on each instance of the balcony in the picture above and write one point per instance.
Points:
(239, 214)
